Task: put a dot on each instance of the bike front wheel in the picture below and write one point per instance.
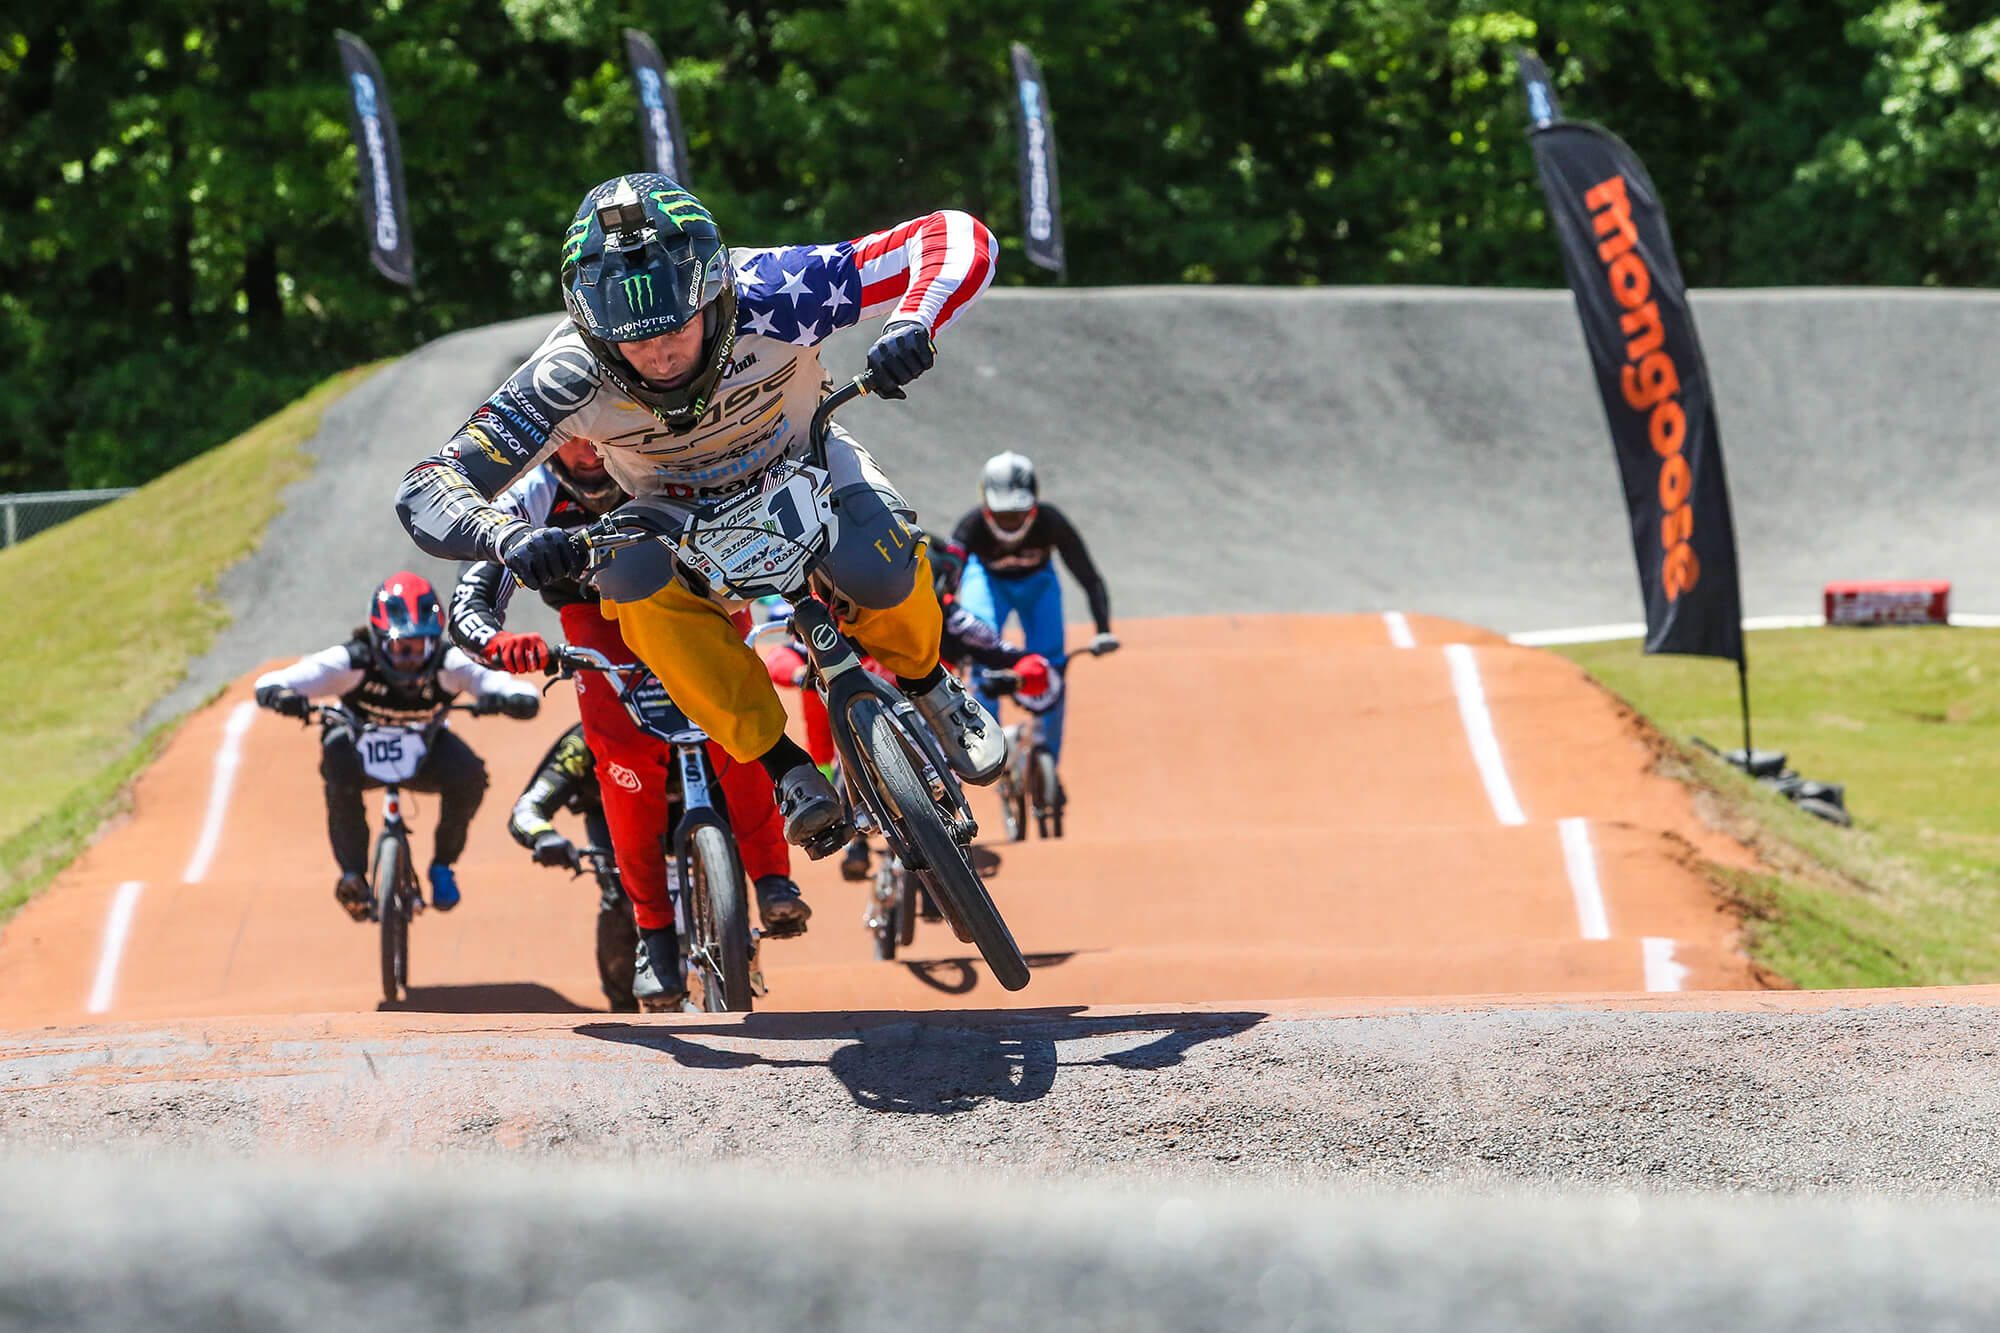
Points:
(719, 921)
(895, 757)
(1048, 794)
(392, 909)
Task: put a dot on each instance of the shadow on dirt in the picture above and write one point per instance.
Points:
(506, 997)
(959, 976)
(935, 1064)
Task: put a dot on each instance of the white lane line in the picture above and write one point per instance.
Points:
(116, 927)
(1399, 629)
(1662, 972)
(227, 757)
(1580, 860)
(1479, 732)
(1550, 638)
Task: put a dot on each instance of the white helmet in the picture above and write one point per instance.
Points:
(1008, 492)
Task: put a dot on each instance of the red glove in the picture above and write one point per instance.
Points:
(1034, 673)
(518, 652)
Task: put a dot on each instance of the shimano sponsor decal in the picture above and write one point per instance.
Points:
(656, 121)
(524, 402)
(387, 236)
(1041, 221)
(565, 379)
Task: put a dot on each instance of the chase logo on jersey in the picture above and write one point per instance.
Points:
(565, 379)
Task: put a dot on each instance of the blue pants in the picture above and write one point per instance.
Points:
(1037, 600)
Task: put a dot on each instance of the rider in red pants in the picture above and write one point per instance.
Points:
(571, 490)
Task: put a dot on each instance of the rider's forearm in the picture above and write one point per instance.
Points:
(532, 812)
(445, 507)
(326, 673)
(479, 605)
(1100, 604)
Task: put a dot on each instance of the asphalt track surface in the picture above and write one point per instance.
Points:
(1228, 453)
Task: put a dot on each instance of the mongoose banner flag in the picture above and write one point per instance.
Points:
(1633, 303)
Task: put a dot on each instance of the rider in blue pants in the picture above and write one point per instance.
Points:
(1009, 544)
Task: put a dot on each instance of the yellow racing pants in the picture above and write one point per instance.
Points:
(690, 643)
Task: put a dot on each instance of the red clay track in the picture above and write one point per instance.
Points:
(1263, 808)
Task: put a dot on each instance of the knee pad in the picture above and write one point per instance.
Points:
(874, 563)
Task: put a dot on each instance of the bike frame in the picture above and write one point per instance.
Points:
(702, 800)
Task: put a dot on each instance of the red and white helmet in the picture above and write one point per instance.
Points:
(405, 627)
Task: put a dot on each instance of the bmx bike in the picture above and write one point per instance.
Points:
(709, 889)
(775, 540)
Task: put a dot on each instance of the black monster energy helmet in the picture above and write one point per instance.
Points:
(642, 258)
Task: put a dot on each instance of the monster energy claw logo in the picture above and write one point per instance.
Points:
(681, 207)
(638, 291)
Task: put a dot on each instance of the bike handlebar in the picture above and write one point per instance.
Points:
(607, 534)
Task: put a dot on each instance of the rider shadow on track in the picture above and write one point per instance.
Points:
(909, 1066)
(958, 976)
(506, 997)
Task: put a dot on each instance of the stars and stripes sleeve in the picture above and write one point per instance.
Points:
(927, 269)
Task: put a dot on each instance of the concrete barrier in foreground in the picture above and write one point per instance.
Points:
(113, 1244)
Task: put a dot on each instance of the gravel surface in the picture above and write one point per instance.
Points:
(1886, 1099)
(119, 1244)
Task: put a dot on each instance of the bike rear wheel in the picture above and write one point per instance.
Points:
(719, 921)
(1048, 794)
(392, 867)
(893, 756)
(888, 918)
(1013, 805)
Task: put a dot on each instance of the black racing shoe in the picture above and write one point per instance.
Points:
(353, 893)
(854, 865)
(659, 979)
(809, 804)
(780, 908)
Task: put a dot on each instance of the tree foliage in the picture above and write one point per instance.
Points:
(182, 252)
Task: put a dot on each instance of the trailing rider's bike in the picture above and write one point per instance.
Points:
(711, 900)
(774, 541)
(391, 755)
(1029, 781)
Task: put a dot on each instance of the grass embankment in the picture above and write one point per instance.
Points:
(1909, 720)
(105, 612)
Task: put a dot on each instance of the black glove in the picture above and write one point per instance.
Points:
(544, 556)
(284, 702)
(903, 352)
(513, 705)
(553, 849)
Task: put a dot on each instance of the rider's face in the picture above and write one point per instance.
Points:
(669, 360)
(580, 456)
(409, 653)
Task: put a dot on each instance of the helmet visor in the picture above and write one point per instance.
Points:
(410, 652)
(1011, 520)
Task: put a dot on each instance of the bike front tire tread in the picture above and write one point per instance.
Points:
(391, 868)
(951, 875)
(722, 886)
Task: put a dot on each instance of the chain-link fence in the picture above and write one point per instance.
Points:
(26, 513)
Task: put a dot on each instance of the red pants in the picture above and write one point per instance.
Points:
(634, 776)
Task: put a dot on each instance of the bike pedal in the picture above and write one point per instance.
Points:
(825, 844)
